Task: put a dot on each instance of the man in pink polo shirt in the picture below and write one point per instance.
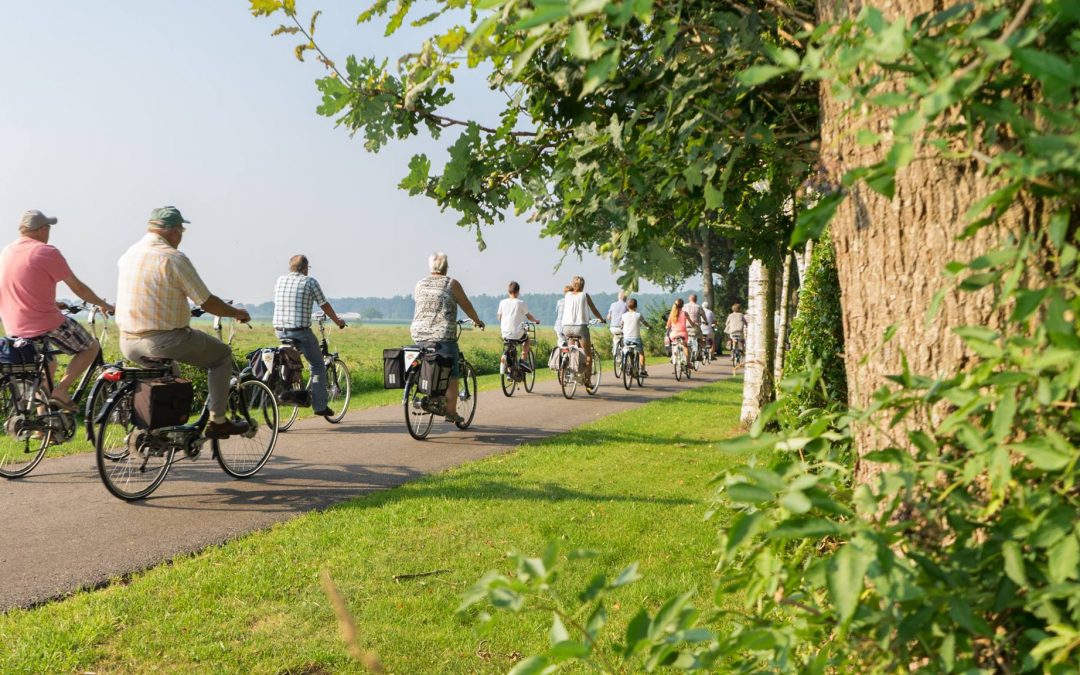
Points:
(29, 270)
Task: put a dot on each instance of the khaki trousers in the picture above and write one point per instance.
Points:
(188, 346)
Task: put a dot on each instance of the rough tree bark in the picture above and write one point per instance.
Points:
(760, 341)
(890, 254)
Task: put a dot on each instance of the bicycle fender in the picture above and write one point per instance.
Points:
(119, 391)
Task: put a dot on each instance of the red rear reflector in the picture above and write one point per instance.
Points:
(112, 375)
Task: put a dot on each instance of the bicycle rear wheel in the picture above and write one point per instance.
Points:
(677, 361)
(289, 412)
(417, 420)
(506, 374)
(22, 448)
(242, 455)
(616, 360)
(338, 389)
(627, 369)
(597, 373)
(466, 405)
(567, 378)
(130, 465)
(530, 376)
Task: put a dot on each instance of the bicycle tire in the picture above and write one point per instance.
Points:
(530, 376)
(597, 372)
(19, 457)
(290, 412)
(122, 453)
(467, 396)
(243, 455)
(338, 389)
(616, 360)
(417, 420)
(627, 370)
(506, 372)
(677, 361)
(567, 379)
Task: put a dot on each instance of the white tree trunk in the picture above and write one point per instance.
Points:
(788, 273)
(758, 322)
(802, 261)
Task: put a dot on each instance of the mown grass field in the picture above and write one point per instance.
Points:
(632, 487)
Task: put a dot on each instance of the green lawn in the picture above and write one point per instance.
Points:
(632, 486)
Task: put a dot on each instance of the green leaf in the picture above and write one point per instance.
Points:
(578, 41)
(1027, 302)
(812, 222)
(627, 576)
(744, 528)
(599, 71)
(714, 198)
(533, 665)
(1042, 454)
(845, 574)
(748, 494)
(568, 650)
(637, 633)
(543, 14)
(1063, 560)
(1014, 563)
(755, 75)
(265, 7)
(1044, 65)
(797, 502)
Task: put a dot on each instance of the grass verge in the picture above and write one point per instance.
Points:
(631, 486)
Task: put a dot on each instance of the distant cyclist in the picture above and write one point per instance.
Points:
(558, 315)
(632, 321)
(437, 298)
(576, 321)
(735, 326)
(294, 295)
(615, 312)
(677, 326)
(513, 312)
(695, 321)
(709, 328)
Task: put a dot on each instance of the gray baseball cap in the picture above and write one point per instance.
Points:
(35, 220)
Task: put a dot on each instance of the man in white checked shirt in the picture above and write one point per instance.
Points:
(294, 295)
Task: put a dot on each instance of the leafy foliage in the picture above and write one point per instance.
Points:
(817, 336)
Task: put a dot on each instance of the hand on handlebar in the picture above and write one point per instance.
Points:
(242, 315)
(341, 323)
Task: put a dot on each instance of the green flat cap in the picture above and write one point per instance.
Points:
(167, 217)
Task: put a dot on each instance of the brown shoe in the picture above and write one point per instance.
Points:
(219, 430)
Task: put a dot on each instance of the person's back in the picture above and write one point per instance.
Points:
(631, 325)
(295, 294)
(513, 312)
(29, 272)
(615, 313)
(435, 310)
(735, 325)
(574, 308)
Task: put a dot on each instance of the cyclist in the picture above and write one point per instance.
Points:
(709, 328)
(294, 295)
(695, 319)
(30, 268)
(677, 326)
(632, 321)
(437, 298)
(576, 322)
(558, 315)
(735, 325)
(153, 315)
(512, 314)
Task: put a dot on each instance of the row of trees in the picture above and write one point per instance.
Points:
(939, 143)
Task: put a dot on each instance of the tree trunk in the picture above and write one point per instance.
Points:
(706, 267)
(787, 290)
(890, 254)
(760, 341)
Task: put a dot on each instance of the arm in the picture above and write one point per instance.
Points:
(86, 295)
(216, 305)
(532, 318)
(463, 302)
(595, 311)
(330, 314)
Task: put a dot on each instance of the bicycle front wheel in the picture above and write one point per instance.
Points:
(617, 361)
(242, 455)
(530, 376)
(466, 405)
(417, 420)
(289, 412)
(22, 445)
(567, 378)
(338, 389)
(130, 464)
(678, 368)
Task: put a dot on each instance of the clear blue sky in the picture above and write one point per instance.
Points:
(112, 108)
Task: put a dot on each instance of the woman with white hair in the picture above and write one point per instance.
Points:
(437, 298)
(575, 321)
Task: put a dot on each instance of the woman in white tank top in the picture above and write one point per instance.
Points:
(575, 322)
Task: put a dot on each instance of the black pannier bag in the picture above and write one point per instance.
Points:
(17, 352)
(300, 397)
(163, 402)
(435, 374)
(393, 368)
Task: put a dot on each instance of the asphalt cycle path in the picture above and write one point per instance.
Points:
(62, 531)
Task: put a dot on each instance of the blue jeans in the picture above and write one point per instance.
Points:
(309, 347)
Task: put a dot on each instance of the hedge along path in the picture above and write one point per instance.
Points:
(65, 532)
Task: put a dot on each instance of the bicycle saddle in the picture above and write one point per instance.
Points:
(157, 361)
(292, 342)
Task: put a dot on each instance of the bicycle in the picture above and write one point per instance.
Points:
(571, 353)
(338, 382)
(133, 460)
(31, 423)
(421, 408)
(616, 351)
(631, 366)
(707, 352)
(678, 358)
(738, 350)
(515, 370)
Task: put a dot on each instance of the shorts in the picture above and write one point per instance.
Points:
(70, 337)
(676, 334)
(576, 330)
(637, 342)
(450, 348)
